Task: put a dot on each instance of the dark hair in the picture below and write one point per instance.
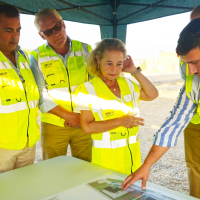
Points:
(9, 10)
(189, 38)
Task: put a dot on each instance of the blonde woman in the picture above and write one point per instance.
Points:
(109, 107)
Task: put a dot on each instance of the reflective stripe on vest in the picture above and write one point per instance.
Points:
(24, 65)
(5, 65)
(33, 104)
(133, 94)
(13, 107)
(106, 142)
(114, 144)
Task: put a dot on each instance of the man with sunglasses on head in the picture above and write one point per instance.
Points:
(59, 67)
(19, 96)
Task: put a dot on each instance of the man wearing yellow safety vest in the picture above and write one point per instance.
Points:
(186, 109)
(191, 132)
(59, 67)
(19, 96)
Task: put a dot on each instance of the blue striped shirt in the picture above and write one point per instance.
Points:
(178, 119)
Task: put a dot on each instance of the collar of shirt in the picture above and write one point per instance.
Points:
(67, 55)
(17, 66)
(17, 54)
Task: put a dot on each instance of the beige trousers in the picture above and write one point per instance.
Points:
(55, 140)
(13, 159)
(192, 157)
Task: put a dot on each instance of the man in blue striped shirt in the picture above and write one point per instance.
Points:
(184, 110)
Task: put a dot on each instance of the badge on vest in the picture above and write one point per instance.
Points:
(47, 65)
(109, 114)
(3, 73)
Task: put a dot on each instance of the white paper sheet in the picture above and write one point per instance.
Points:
(108, 187)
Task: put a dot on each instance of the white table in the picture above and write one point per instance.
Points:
(35, 182)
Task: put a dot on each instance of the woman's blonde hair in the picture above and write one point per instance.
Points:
(109, 44)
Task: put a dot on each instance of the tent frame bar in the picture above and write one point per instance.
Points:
(149, 5)
(86, 6)
(152, 5)
(82, 9)
(115, 19)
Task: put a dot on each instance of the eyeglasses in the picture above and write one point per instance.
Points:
(57, 27)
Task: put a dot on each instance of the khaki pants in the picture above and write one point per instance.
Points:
(55, 140)
(13, 159)
(192, 157)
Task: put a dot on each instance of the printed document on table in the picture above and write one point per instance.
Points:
(108, 187)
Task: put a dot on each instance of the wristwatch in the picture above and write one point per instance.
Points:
(137, 71)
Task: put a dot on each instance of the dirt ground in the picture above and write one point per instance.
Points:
(170, 171)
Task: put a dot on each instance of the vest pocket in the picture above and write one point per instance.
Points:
(54, 74)
(78, 76)
(8, 127)
(10, 91)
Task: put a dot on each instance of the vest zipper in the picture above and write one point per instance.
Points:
(130, 152)
(69, 88)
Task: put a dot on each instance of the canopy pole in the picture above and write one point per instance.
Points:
(115, 20)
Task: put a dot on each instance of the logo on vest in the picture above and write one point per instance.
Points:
(47, 65)
(110, 113)
(3, 73)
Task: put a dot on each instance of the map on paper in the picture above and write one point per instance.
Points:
(108, 187)
(112, 189)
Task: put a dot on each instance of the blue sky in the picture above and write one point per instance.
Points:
(144, 39)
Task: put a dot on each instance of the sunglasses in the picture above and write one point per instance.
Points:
(57, 27)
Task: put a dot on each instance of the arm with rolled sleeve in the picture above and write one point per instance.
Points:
(46, 102)
(166, 136)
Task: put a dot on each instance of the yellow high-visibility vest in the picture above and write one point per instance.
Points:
(192, 87)
(18, 105)
(61, 82)
(117, 149)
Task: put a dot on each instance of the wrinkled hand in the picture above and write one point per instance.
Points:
(128, 65)
(129, 120)
(73, 121)
(141, 174)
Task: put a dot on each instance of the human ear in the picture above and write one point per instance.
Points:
(42, 36)
(63, 24)
(98, 61)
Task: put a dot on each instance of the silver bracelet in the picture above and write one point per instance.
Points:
(137, 71)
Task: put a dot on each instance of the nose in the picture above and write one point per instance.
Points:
(15, 34)
(192, 68)
(114, 67)
(55, 32)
